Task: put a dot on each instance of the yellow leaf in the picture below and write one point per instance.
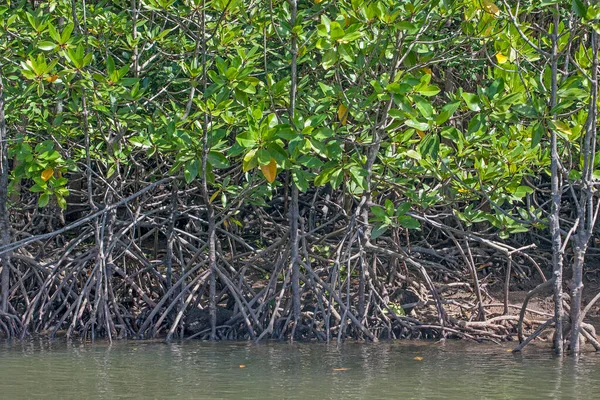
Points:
(270, 170)
(52, 78)
(242, 366)
(418, 358)
(490, 7)
(225, 223)
(420, 133)
(343, 114)
(47, 174)
(215, 194)
(341, 369)
(501, 58)
(562, 127)
(427, 70)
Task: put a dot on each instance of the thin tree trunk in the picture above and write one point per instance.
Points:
(576, 295)
(212, 249)
(294, 253)
(4, 216)
(557, 256)
(585, 209)
(294, 210)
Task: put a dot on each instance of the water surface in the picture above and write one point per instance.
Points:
(200, 370)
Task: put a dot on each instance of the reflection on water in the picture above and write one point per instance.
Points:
(199, 370)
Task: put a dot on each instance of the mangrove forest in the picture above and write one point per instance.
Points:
(301, 170)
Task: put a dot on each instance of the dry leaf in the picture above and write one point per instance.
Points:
(47, 174)
(270, 170)
(418, 358)
(343, 114)
(341, 369)
(501, 58)
(242, 366)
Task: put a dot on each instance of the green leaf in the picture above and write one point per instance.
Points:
(495, 88)
(310, 161)
(60, 200)
(329, 59)
(402, 209)
(389, 207)
(447, 112)
(537, 133)
(43, 200)
(526, 110)
(250, 161)
(300, 178)
(579, 8)
(422, 126)
(379, 212)
(246, 139)
(378, 230)
(423, 106)
(191, 171)
(522, 191)
(263, 156)
(428, 90)
(413, 154)
(429, 146)
(45, 45)
(408, 222)
(472, 101)
(217, 159)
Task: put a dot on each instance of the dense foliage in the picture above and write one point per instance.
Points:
(297, 169)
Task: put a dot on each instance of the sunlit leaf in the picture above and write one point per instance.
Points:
(472, 101)
(249, 161)
(562, 127)
(490, 7)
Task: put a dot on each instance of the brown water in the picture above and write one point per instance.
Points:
(199, 370)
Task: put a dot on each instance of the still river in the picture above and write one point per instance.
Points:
(199, 370)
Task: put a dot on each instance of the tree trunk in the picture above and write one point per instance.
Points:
(557, 256)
